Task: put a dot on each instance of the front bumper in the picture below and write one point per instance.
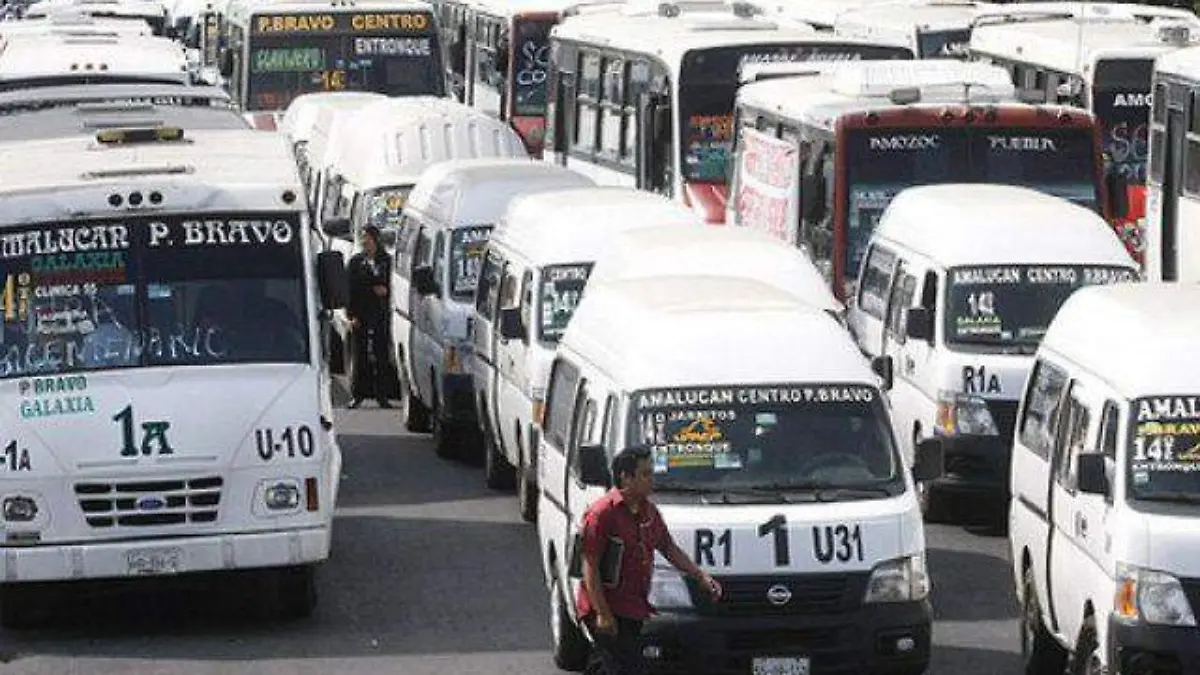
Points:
(112, 559)
(860, 641)
(1141, 649)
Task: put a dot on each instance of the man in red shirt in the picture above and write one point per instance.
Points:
(614, 612)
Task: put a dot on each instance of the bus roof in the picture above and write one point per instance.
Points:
(70, 20)
(151, 9)
(53, 56)
(886, 19)
(88, 118)
(641, 30)
(1072, 45)
(243, 10)
(980, 224)
(1184, 63)
(1040, 11)
(663, 332)
(820, 98)
(820, 13)
(511, 7)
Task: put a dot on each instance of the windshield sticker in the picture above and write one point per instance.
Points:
(1166, 435)
(54, 396)
(466, 257)
(678, 398)
(562, 289)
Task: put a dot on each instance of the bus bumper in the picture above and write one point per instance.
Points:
(164, 557)
(869, 640)
(1141, 649)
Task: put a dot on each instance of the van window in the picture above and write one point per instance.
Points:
(439, 260)
(902, 298)
(509, 287)
(560, 399)
(406, 243)
(489, 285)
(1076, 419)
(1038, 422)
(609, 432)
(1109, 425)
(467, 246)
(876, 278)
(424, 248)
(584, 418)
(559, 291)
(527, 298)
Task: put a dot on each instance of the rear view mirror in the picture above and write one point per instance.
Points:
(338, 226)
(424, 281)
(510, 324)
(593, 466)
(1093, 474)
(929, 459)
(332, 280)
(884, 367)
(918, 324)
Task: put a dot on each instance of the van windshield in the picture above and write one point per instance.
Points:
(559, 293)
(467, 247)
(1005, 305)
(770, 437)
(1164, 449)
(382, 207)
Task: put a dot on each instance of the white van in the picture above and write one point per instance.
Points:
(537, 264)
(443, 233)
(957, 288)
(776, 469)
(716, 251)
(303, 114)
(1103, 525)
(312, 144)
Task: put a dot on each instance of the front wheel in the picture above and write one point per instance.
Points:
(1040, 652)
(295, 591)
(570, 645)
(498, 474)
(527, 494)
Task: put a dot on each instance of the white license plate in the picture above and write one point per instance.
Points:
(154, 561)
(790, 665)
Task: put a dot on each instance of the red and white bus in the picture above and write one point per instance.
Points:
(819, 157)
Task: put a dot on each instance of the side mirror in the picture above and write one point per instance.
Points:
(929, 460)
(226, 64)
(885, 368)
(918, 324)
(1093, 474)
(510, 324)
(812, 197)
(593, 466)
(424, 281)
(338, 226)
(332, 280)
(1118, 196)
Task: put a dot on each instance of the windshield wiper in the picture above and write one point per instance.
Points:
(825, 492)
(1179, 496)
(721, 493)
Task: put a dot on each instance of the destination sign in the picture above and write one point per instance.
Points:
(343, 23)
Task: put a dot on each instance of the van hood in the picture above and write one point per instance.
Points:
(1164, 539)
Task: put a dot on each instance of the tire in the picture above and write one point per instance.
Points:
(296, 592)
(498, 474)
(24, 607)
(416, 415)
(569, 644)
(444, 436)
(1040, 652)
(1087, 659)
(527, 494)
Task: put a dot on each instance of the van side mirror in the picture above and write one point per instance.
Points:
(593, 466)
(1118, 196)
(424, 281)
(929, 460)
(510, 324)
(1093, 474)
(885, 368)
(812, 197)
(336, 226)
(918, 324)
(332, 280)
(654, 120)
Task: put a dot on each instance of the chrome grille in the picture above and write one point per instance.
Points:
(147, 503)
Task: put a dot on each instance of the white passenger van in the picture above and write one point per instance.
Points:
(713, 251)
(776, 470)
(443, 234)
(958, 286)
(167, 409)
(537, 266)
(302, 115)
(45, 60)
(1105, 490)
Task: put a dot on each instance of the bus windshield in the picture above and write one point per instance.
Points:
(882, 162)
(1121, 102)
(345, 52)
(153, 291)
(708, 84)
(531, 59)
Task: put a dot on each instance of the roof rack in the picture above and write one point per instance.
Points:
(1077, 11)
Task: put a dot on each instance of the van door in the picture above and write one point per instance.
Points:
(585, 429)
(907, 397)
(404, 257)
(553, 516)
(513, 403)
(869, 305)
(431, 249)
(484, 335)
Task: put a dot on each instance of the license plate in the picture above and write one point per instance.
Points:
(790, 665)
(155, 561)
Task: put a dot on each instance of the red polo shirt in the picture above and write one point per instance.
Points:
(642, 534)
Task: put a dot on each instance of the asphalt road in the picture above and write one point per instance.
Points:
(432, 573)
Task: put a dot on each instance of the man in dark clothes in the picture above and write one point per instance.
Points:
(370, 274)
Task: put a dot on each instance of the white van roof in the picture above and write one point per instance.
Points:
(453, 192)
(715, 251)
(1137, 337)
(576, 225)
(695, 330)
(980, 224)
(391, 142)
(60, 56)
(302, 113)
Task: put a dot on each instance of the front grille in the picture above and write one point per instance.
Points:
(810, 594)
(148, 503)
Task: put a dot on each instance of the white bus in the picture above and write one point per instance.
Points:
(1097, 56)
(1173, 180)
(29, 61)
(934, 29)
(152, 12)
(168, 410)
(72, 22)
(644, 97)
(820, 14)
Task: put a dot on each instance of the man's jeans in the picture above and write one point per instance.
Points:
(619, 654)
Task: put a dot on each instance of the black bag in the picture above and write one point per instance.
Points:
(610, 560)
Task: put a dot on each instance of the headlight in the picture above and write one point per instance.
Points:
(20, 509)
(1150, 596)
(900, 580)
(282, 496)
(964, 415)
(668, 590)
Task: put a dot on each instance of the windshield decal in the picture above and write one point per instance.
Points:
(1166, 440)
(562, 288)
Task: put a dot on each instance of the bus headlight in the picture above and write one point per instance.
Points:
(20, 509)
(668, 590)
(899, 580)
(1150, 596)
(964, 415)
(282, 496)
